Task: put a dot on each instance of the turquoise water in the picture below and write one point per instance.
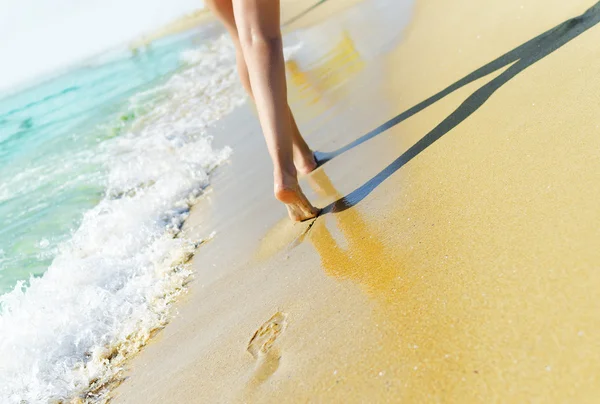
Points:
(98, 170)
(48, 138)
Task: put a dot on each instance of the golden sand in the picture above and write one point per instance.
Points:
(466, 272)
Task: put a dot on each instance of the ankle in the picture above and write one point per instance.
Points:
(306, 165)
(286, 174)
(287, 179)
(304, 160)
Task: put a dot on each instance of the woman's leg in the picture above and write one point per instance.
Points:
(257, 23)
(223, 10)
(303, 156)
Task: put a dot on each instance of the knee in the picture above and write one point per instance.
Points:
(255, 36)
(258, 26)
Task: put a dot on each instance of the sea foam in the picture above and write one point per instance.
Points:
(65, 334)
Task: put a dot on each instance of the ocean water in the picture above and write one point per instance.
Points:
(98, 168)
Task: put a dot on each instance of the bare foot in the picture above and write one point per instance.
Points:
(305, 162)
(298, 206)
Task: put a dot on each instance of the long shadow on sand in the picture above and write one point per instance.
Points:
(521, 58)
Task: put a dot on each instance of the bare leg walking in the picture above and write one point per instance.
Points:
(254, 27)
(304, 159)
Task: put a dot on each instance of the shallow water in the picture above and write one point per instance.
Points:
(51, 166)
(98, 168)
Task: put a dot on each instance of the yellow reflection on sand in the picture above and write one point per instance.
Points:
(330, 71)
(360, 255)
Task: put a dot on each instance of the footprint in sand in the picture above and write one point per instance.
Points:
(263, 339)
(261, 346)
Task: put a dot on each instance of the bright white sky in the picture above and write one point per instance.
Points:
(38, 37)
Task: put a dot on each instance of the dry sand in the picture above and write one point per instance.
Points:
(467, 272)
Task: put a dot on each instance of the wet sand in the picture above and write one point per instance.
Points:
(457, 259)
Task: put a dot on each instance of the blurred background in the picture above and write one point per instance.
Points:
(38, 37)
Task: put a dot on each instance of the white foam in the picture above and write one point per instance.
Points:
(110, 285)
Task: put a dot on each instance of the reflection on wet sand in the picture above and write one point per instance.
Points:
(361, 256)
(330, 55)
(332, 70)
